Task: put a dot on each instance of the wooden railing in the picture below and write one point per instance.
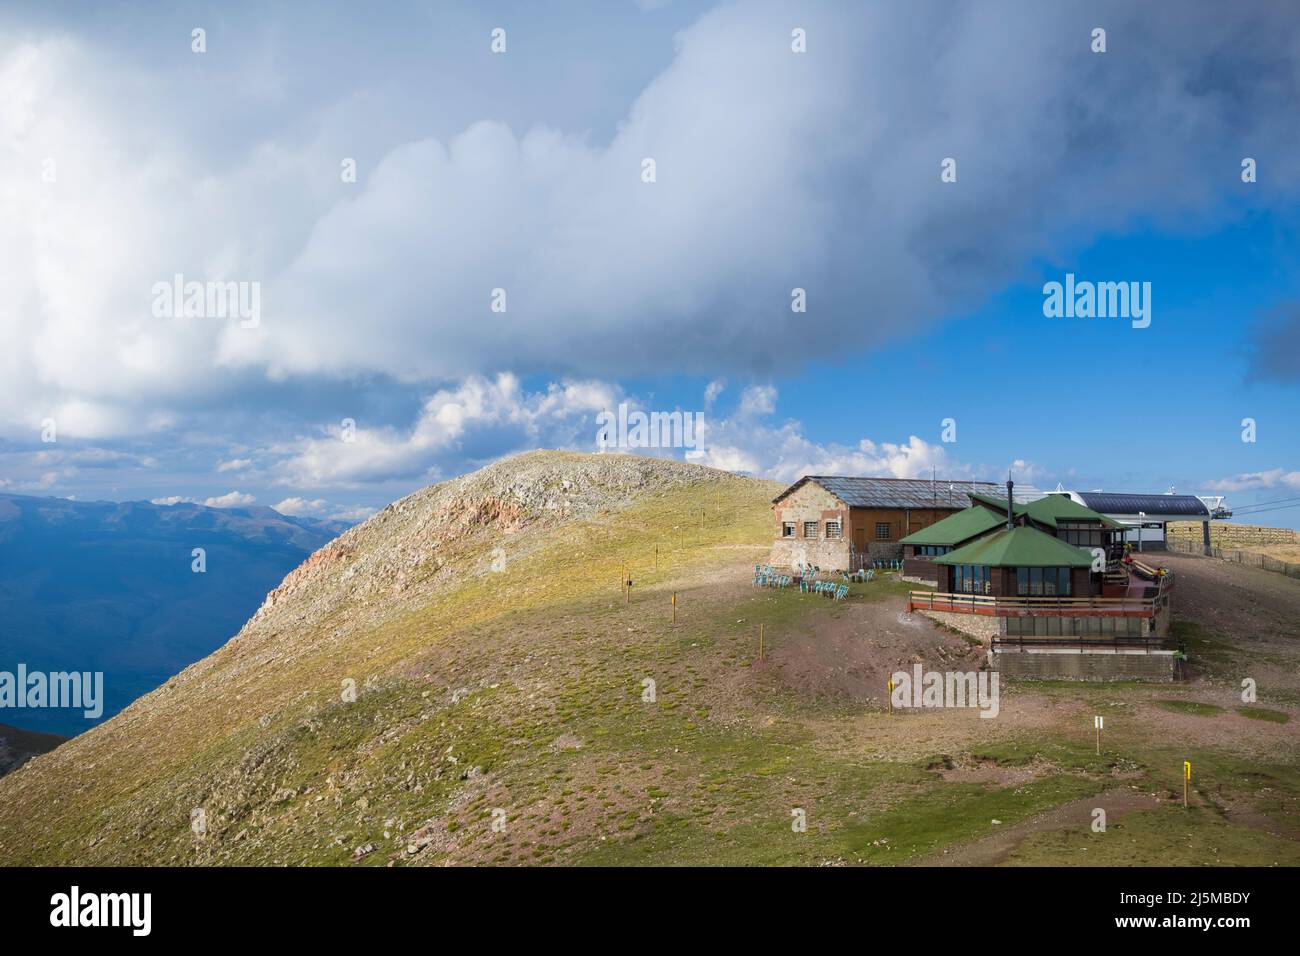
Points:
(993, 606)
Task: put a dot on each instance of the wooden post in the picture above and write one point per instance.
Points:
(627, 595)
(890, 696)
(1097, 722)
(656, 559)
(760, 642)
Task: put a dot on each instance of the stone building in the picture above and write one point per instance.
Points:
(842, 523)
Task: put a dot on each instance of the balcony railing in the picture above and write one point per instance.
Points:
(994, 606)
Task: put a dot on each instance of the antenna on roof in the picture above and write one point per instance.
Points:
(1010, 519)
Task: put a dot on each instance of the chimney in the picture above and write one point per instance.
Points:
(1010, 505)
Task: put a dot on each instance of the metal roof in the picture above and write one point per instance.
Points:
(1123, 504)
(956, 528)
(896, 492)
(1050, 509)
(1021, 547)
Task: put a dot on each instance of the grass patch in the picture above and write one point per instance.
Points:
(1263, 713)
(1195, 708)
(1168, 836)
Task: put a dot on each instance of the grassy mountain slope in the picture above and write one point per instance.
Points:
(501, 679)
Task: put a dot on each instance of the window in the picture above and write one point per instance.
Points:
(1081, 534)
(1103, 627)
(971, 579)
(882, 530)
(931, 550)
(810, 529)
(835, 529)
(787, 529)
(1043, 582)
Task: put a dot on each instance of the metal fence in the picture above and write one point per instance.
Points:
(1251, 559)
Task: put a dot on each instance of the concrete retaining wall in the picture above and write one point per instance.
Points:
(984, 628)
(1092, 666)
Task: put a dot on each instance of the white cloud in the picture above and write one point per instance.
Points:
(233, 499)
(499, 417)
(775, 170)
(1257, 480)
(563, 415)
(758, 400)
(354, 513)
(764, 184)
(296, 507)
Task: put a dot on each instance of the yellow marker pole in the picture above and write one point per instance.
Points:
(674, 607)
(1187, 777)
(890, 696)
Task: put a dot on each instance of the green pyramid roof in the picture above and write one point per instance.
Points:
(1047, 510)
(1021, 547)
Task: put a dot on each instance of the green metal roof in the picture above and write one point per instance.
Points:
(996, 502)
(957, 528)
(1021, 547)
(1053, 508)
(1047, 510)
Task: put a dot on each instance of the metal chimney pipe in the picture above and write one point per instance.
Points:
(1010, 505)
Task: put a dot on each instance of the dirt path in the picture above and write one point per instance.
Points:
(995, 848)
(1239, 600)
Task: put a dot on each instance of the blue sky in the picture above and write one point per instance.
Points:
(131, 158)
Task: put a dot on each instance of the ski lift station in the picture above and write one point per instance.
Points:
(1145, 516)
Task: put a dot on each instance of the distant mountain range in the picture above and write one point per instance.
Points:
(19, 746)
(110, 586)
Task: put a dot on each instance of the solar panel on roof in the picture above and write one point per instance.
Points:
(902, 492)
